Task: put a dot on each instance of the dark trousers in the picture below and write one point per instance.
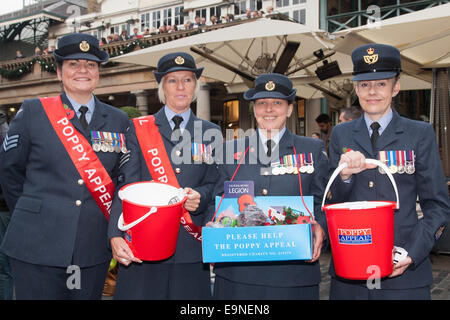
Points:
(36, 282)
(6, 278)
(225, 289)
(163, 281)
(343, 290)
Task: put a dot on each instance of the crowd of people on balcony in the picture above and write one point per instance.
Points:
(37, 52)
(199, 22)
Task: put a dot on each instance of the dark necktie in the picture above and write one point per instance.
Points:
(375, 134)
(83, 110)
(270, 145)
(177, 120)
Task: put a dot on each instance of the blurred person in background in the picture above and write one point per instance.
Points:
(325, 126)
(349, 114)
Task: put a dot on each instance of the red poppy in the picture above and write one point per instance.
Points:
(70, 113)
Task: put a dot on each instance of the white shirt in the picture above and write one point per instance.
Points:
(275, 139)
(170, 114)
(383, 122)
(90, 105)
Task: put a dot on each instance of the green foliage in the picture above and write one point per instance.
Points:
(49, 66)
(130, 47)
(132, 112)
(292, 216)
(26, 67)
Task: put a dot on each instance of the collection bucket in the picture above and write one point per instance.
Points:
(151, 218)
(361, 233)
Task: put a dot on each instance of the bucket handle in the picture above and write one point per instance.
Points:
(121, 225)
(370, 161)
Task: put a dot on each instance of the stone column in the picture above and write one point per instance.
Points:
(313, 109)
(440, 115)
(141, 101)
(203, 102)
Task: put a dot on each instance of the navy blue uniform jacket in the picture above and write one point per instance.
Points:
(283, 273)
(41, 187)
(417, 236)
(198, 176)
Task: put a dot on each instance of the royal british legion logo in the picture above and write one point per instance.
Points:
(355, 236)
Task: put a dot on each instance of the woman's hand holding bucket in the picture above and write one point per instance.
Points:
(356, 162)
(193, 199)
(122, 252)
(401, 267)
(402, 264)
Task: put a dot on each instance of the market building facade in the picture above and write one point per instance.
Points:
(42, 22)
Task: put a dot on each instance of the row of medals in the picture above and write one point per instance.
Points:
(108, 146)
(280, 169)
(207, 158)
(201, 152)
(407, 168)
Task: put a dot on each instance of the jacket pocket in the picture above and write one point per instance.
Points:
(29, 204)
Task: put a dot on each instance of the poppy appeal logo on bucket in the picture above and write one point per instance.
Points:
(355, 236)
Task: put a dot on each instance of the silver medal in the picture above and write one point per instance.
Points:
(410, 169)
(276, 171)
(96, 147)
(393, 169)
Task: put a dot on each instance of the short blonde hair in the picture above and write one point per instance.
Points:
(162, 96)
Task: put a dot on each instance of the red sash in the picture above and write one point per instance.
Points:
(158, 163)
(89, 167)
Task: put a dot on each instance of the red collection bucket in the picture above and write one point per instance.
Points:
(150, 223)
(361, 233)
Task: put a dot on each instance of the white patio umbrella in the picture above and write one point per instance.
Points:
(423, 37)
(236, 55)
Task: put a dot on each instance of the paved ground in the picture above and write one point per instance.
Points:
(441, 273)
(440, 290)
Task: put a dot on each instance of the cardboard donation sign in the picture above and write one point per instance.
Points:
(248, 228)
